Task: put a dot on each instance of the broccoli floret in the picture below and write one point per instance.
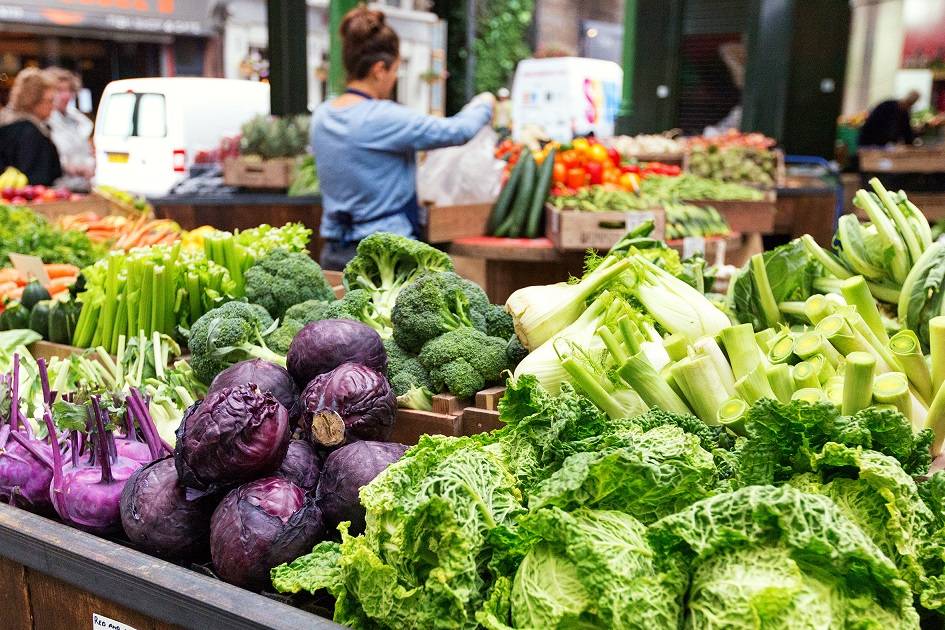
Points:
(282, 279)
(385, 263)
(295, 318)
(228, 334)
(308, 311)
(464, 360)
(357, 304)
(499, 322)
(408, 378)
(515, 351)
(436, 303)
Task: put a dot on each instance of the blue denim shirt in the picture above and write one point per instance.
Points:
(365, 154)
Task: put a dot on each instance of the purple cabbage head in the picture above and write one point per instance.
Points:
(301, 465)
(233, 435)
(351, 402)
(157, 516)
(269, 377)
(260, 525)
(324, 345)
(345, 472)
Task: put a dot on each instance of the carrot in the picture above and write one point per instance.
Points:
(61, 284)
(9, 274)
(61, 270)
(6, 287)
(15, 294)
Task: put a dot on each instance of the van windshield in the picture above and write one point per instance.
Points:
(143, 115)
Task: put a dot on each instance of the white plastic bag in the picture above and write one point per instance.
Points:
(462, 175)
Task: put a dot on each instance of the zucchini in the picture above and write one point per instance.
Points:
(33, 293)
(515, 222)
(39, 317)
(542, 187)
(501, 207)
(15, 316)
(62, 320)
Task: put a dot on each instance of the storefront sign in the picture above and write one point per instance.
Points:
(173, 17)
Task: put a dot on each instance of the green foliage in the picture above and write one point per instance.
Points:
(22, 231)
(282, 279)
(464, 361)
(275, 137)
(228, 334)
(501, 42)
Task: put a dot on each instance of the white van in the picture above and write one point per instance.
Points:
(147, 131)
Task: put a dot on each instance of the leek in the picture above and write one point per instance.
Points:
(767, 302)
(885, 360)
(857, 294)
(652, 388)
(540, 312)
(743, 352)
(629, 334)
(707, 347)
(893, 388)
(858, 382)
(676, 347)
(764, 338)
(837, 330)
(703, 387)
(792, 308)
(908, 352)
(813, 343)
(732, 414)
(805, 375)
(754, 386)
(810, 395)
(937, 352)
(781, 382)
(822, 367)
(782, 348)
(818, 307)
(834, 391)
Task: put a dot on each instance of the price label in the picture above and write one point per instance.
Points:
(884, 164)
(692, 245)
(32, 266)
(101, 622)
(636, 219)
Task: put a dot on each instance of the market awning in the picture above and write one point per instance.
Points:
(170, 17)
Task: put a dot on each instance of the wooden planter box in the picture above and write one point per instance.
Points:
(54, 576)
(902, 160)
(575, 230)
(247, 173)
(447, 223)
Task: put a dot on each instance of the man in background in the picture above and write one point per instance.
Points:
(889, 123)
(71, 131)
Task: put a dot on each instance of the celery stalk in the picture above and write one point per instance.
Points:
(764, 338)
(805, 375)
(810, 395)
(612, 344)
(754, 386)
(121, 323)
(769, 306)
(858, 382)
(937, 352)
(780, 380)
(858, 295)
(157, 300)
(743, 352)
(707, 346)
(652, 388)
(893, 388)
(731, 415)
(908, 352)
(147, 289)
(703, 387)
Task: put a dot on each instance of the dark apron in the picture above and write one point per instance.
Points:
(411, 210)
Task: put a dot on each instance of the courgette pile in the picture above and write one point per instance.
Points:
(54, 319)
(520, 209)
(684, 220)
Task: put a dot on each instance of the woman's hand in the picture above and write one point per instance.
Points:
(484, 97)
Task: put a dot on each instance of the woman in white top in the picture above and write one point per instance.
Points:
(71, 131)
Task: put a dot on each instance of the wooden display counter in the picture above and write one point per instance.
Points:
(809, 209)
(242, 211)
(903, 159)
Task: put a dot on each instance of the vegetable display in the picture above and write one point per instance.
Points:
(739, 164)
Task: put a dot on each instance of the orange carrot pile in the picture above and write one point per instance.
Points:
(12, 281)
(122, 232)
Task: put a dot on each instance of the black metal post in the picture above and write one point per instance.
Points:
(288, 56)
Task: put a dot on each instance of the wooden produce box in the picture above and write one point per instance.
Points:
(748, 217)
(336, 280)
(575, 230)
(444, 224)
(47, 350)
(92, 202)
(446, 418)
(484, 416)
(249, 173)
(53, 576)
(902, 160)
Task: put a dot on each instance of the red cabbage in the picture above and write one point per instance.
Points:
(352, 402)
(345, 472)
(301, 465)
(233, 435)
(259, 525)
(324, 345)
(269, 377)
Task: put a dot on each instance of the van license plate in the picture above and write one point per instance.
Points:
(118, 158)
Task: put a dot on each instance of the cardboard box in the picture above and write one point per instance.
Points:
(576, 230)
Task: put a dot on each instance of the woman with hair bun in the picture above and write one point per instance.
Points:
(25, 138)
(365, 143)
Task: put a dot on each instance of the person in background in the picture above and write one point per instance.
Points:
(25, 138)
(889, 123)
(502, 119)
(365, 144)
(71, 131)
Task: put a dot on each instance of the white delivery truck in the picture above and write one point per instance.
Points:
(148, 131)
(566, 97)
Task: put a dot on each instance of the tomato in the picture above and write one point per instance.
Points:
(570, 158)
(598, 154)
(577, 177)
(581, 145)
(559, 173)
(614, 156)
(612, 176)
(630, 181)
(630, 168)
(595, 172)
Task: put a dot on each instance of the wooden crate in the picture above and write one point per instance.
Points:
(53, 576)
(335, 279)
(447, 223)
(450, 416)
(748, 217)
(902, 160)
(484, 416)
(248, 173)
(47, 350)
(575, 230)
(52, 210)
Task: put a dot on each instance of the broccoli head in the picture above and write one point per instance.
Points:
(436, 303)
(282, 279)
(499, 322)
(295, 318)
(408, 378)
(385, 263)
(515, 351)
(229, 334)
(464, 361)
(358, 305)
